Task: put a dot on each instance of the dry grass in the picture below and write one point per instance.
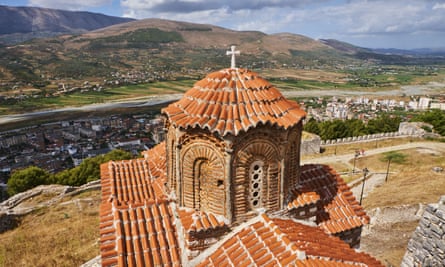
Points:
(413, 182)
(63, 235)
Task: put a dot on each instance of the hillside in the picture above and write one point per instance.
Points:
(152, 49)
(33, 22)
(67, 219)
(144, 51)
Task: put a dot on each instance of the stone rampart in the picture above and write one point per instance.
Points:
(427, 244)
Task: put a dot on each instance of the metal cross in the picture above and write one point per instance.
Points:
(232, 52)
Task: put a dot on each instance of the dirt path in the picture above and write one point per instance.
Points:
(373, 179)
(347, 157)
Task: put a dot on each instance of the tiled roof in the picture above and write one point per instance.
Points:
(341, 211)
(316, 244)
(139, 235)
(135, 180)
(136, 219)
(198, 221)
(301, 198)
(283, 242)
(233, 100)
(257, 244)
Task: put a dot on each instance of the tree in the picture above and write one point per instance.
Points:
(383, 124)
(355, 127)
(434, 117)
(312, 126)
(89, 169)
(28, 178)
(393, 156)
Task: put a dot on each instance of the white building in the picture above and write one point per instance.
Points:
(424, 103)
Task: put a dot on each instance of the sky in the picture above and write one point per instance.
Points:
(403, 24)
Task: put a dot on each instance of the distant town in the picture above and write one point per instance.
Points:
(63, 145)
(365, 108)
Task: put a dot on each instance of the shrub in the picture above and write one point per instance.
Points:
(28, 178)
(89, 169)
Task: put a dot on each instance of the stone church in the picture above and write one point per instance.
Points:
(226, 188)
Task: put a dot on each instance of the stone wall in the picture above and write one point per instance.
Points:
(414, 128)
(363, 138)
(310, 144)
(427, 245)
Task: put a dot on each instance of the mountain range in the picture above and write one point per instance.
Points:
(90, 46)
(23, 23)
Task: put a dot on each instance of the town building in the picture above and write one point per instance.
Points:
(226, 188)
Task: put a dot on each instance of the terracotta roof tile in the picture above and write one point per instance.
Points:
(317, 244)
(341, 211)
(138, 233)
(199, 221)
(301, 199)
(136, 220)
(284, 242)
(258, 242)
(227, 96)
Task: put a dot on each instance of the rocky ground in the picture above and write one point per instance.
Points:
(42, 196)
(389, 231)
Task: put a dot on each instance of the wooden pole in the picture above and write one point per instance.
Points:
(387, 170)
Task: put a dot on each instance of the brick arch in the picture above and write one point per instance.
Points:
(254, 151)
(203, 173)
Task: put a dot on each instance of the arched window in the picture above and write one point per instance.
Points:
(256, 175)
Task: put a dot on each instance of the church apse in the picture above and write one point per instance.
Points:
(228, 143)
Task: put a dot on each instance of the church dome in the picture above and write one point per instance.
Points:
(233, 100)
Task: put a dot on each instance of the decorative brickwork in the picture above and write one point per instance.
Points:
(292, 156)
(172, 152)
(256, 151)
(202, 169)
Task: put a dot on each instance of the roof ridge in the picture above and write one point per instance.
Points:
(212, 249)
(301, 254)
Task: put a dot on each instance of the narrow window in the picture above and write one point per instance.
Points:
(256, 174)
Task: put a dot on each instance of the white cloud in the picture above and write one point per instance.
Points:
(340, 19)
(69, 4)
(188, 6)
(381, 17)
(439, 6)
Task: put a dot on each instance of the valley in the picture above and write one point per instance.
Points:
(86, 90)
